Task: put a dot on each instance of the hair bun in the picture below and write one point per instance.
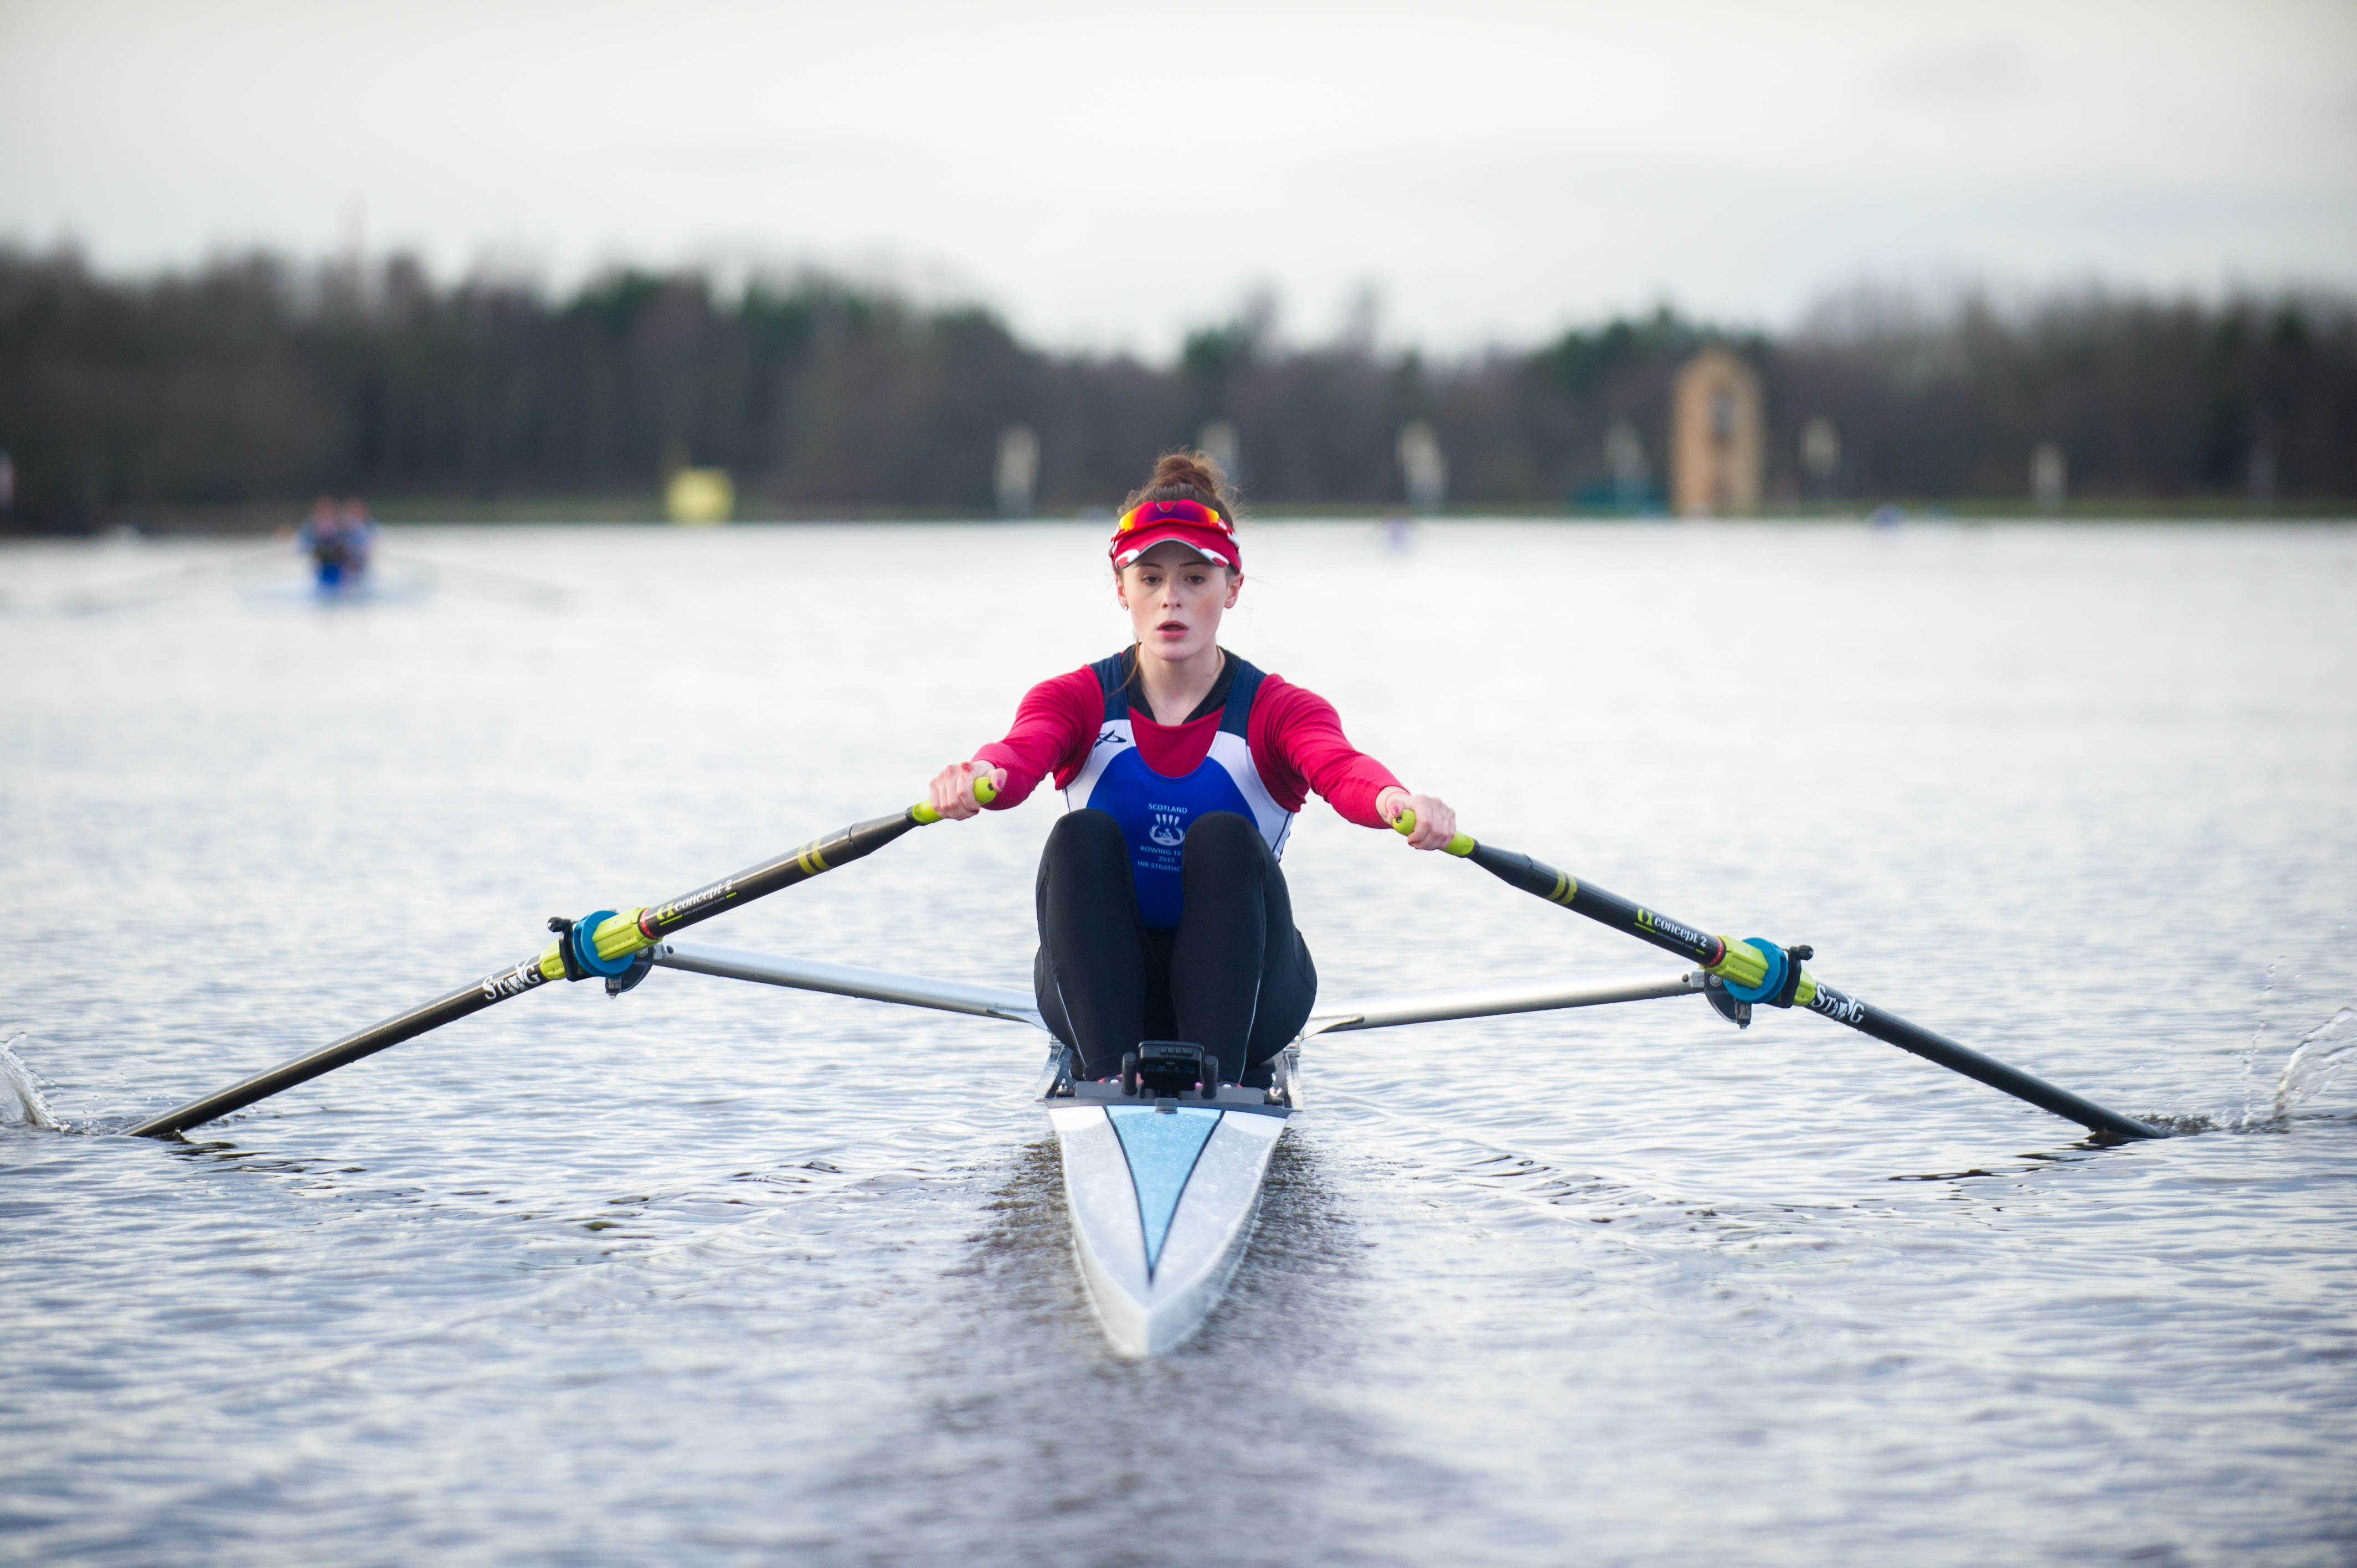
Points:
(1194, 469)
(1186, 475)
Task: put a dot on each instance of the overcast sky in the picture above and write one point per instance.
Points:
(1108, 175)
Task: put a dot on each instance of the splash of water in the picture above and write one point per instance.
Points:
(21, 1105)
(2317, 1060)
(2259, 1022)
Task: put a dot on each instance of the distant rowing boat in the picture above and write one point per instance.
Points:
(261, 578)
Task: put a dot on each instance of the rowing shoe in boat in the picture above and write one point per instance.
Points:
(1163, 1166)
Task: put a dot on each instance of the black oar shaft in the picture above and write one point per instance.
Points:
(1606, 908)
(1891, 1029)
(615, 938)
(327, 1059)
(1675, 936)
(838, 848)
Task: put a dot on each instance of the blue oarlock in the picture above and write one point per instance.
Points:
(583, 939)
(1775, 981)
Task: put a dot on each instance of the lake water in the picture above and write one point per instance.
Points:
(716, 1273)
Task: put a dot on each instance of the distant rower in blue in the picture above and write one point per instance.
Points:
(338, 540)
(1163, 914)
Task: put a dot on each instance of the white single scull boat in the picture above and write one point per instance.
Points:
(1162, 1180)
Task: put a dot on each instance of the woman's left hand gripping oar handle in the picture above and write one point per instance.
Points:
(608, 943)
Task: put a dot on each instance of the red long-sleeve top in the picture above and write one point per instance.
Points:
(1294, 737)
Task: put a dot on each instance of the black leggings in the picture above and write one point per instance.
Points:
(1234, 978)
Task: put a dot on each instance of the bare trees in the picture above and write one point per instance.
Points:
(252, 381)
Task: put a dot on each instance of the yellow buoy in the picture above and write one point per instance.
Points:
(700, 496)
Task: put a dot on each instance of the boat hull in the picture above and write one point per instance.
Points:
(1162, 1202)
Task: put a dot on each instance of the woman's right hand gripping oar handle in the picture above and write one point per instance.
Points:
(959, 791)
(1404, 824)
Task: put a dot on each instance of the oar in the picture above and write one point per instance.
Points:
(605, 943)
(1756, 971)
(498, 586)
(152, 587)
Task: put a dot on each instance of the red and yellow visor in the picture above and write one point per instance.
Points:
(1197, 526)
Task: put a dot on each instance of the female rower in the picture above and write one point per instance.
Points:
(1162, 912)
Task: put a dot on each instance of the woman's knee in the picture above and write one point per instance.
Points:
(1087, 832)
(1223, 834)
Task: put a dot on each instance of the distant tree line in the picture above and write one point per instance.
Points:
(252, 381)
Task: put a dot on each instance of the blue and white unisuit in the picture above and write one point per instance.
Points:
(1155, 808)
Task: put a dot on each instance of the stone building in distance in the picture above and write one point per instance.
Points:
(1718, 444)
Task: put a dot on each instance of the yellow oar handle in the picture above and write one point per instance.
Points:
(984, 792)
(1460, 845)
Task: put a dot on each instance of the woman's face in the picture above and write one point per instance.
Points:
(1174, 599)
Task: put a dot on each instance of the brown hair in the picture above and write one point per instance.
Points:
(1185, 474)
